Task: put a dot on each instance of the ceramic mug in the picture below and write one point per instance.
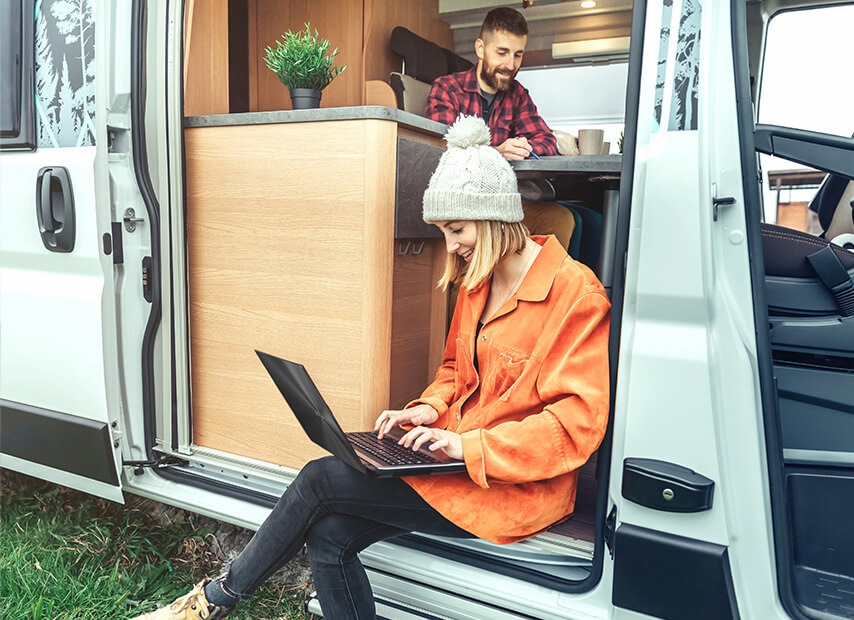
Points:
(590, 141)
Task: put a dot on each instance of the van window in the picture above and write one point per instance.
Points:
(16, 69)
(806, 82)
(65, 73)
(10, 69)
(585, 97)
(805, 85)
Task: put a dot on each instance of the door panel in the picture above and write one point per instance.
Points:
(57, 304)
(52, 354)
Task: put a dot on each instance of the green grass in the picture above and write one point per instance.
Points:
(66, 555)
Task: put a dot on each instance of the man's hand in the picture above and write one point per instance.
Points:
(515, 148)
(438, 439)
(416, 416)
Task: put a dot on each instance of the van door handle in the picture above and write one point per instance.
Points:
(666, 486)
(46, 222)
(55, 209)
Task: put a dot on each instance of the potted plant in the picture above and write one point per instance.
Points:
(303, 65)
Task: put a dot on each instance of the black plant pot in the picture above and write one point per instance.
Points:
(305, 98)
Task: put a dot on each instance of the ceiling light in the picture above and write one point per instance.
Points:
(588, 4)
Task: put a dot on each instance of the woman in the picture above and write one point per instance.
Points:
(522, 397)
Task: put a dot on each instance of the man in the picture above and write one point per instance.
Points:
(490, 90)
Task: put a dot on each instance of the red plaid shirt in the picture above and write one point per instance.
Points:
(513, 112)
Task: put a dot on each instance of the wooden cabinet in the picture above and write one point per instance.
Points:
(291, 250)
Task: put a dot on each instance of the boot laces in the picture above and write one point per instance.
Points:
(193, 597)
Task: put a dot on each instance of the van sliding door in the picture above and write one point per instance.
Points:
(58, 347)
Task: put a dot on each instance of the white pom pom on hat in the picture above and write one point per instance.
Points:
(467, 131)
(473, 181)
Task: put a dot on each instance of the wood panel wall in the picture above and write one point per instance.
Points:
(418, 318)
(206, 58)
(360, 30)
(381, 17)
(339, 21)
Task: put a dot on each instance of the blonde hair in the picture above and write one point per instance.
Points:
(495, 242)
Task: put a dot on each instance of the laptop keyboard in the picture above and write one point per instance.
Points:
(388, 450)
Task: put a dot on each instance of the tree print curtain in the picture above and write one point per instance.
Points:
(684, 58)
(65, 72)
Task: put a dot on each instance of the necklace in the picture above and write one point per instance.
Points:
(522, 273)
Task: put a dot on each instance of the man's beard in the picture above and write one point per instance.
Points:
(491, 76)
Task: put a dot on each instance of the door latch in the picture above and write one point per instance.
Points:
(724, 201)
(131, 220)
(147, 280)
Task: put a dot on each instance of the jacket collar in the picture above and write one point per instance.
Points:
(470, 84)
(536, 285)
(540, 277)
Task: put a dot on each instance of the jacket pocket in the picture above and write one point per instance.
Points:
(507, 369)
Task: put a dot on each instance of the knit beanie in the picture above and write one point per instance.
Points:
(473, 181)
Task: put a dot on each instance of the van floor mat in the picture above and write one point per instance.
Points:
(825, 592)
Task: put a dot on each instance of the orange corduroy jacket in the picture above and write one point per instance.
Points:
(536, 411)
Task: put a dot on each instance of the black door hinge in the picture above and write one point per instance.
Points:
(611, 530)
(158, 463)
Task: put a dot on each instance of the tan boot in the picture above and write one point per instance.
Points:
(191, 606)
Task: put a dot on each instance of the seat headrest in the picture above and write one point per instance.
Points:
(425, 61)
(411, 94)
(834, 205)
(826, 199)
(456, 63)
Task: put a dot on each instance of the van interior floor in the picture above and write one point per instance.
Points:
(825, 592)
(580, 529)
(575, 536)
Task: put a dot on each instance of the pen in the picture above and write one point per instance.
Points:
(532, 153)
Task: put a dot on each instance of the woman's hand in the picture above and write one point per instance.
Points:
(438, 439)
(416, 416)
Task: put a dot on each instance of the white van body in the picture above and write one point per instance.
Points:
(95, 363)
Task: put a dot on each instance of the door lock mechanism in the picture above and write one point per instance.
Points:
(130, 219)
(717, 203)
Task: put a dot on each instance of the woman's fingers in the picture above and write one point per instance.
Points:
(420, 440)
(442, 443)
(387, 420)
(436, 439)
(407, 438)
(420, 414)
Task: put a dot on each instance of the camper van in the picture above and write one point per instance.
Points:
(164, 212)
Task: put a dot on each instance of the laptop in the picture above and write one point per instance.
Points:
(362, 450)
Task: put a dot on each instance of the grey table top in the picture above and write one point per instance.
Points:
(589, 164)
(406, 119)
(576, 165)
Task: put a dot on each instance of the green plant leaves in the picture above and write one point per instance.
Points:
(301, 60)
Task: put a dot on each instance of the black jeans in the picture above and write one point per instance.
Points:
(336, 511)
